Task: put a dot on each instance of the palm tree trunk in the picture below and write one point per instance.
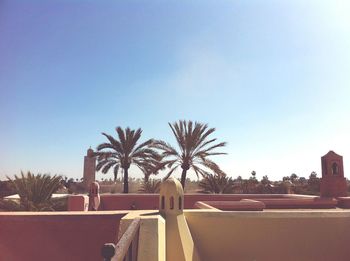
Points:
(126, 181)
(183, 178)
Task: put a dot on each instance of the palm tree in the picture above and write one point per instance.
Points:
(150, 186)
(194, 150)
(216, 184)
(35, 191)
(293, 178)
(121, 153)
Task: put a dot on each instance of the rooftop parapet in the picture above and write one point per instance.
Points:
(179, 242)
(171, 198)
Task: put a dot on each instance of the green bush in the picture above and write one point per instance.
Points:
(35, 193)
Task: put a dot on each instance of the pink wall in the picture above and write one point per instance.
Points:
(126, 201)
(78, 203)
(56, 236)
(150, 201)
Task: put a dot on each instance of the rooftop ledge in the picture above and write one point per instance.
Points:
(65, 213)
(273, 213)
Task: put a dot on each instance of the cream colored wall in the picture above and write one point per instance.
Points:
(179, 242)
(278, 235)
(151, 244)
(152, 239)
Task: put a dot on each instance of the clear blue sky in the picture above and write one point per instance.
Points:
(273, 77)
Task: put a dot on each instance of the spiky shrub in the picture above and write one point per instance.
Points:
(217, 184)
(6, 189)
(150, 186)
(9, 205)
(35, 191)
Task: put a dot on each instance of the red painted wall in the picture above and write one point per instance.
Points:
(78, 203)
(56, 237)
(151, 201)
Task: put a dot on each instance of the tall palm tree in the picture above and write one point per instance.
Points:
(122, 152)
(194, 149)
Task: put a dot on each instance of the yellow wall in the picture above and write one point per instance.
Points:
(152, 239)
(179, 242)
(151, 242)
(276, 235)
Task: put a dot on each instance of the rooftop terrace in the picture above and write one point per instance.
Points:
(216, 227)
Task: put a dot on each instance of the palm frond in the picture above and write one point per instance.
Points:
(222, 144)
(212, 166)
(178, 131)
(101, 163)
(147, 143)
(108, 165)
(116, 145)
(166, 148)
(170, 172)
(199, 171)
(122, 138)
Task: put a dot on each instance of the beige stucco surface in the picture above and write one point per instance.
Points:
(179, 242)
(151, 241)
(277, 235)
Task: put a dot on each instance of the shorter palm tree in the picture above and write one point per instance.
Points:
(217, 184)
(194, 150)
(35, 191)
(150, 186)
(121, 153)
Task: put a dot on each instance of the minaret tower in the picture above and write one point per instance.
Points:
(333, 182)
(89, 168)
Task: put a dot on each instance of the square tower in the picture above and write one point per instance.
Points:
(333, 182)
(89, 168)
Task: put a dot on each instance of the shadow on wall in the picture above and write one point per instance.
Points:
(56, 237)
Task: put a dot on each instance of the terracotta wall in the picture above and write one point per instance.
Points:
(129, 201)
(56, 236)
(78, 203)
(150, 201)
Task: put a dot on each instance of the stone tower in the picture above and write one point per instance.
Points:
(89, 168)
(333, 182)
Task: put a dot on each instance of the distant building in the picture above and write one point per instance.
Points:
(333, 182)
(89, 168)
